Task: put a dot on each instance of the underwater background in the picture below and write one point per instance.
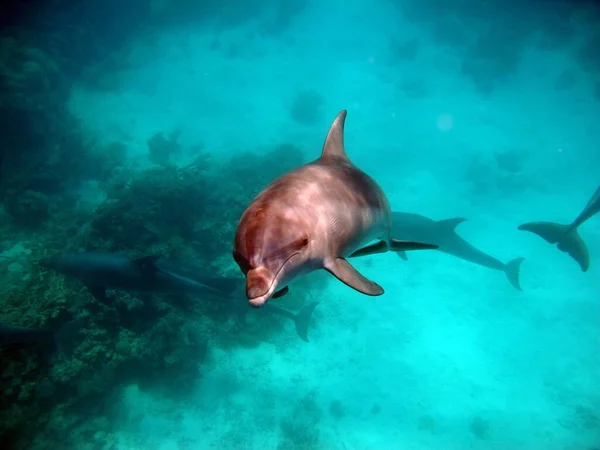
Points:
(145, 128)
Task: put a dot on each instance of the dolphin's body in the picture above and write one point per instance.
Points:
(443, 233)
(102, 271)
(566, 236)
(312, 218)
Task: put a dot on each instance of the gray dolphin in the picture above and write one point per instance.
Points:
(566, 236)
(415, 227)
(102, 271)
(312, 218)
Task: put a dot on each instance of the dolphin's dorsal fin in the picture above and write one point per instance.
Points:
(334, 142)
(451, 223)
(147, 264)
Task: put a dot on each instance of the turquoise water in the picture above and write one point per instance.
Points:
(451, 356)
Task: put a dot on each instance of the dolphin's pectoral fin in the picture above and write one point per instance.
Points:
(395, 246)
(371, 249)
(281, 292)
(147, 264)
(402, 246)
(402, 255)
(343, 271)
(98, 292)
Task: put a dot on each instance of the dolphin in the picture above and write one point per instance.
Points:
(566, 236)
(314, 217)
(443, 233)
(102, 271)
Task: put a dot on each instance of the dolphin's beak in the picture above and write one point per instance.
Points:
(260, 286)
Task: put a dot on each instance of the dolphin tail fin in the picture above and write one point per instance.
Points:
(512, 271)
(64, 338)
(302, 320)
(566, 238)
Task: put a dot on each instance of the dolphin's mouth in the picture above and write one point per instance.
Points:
(260, 300)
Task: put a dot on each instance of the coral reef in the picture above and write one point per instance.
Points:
(45, 152)
(187, 214)
(161, 148)
(491, 58)
(28, 75)
(306, 107)
(503, 171)
(299, 429)
(42, 187)
(32, 91)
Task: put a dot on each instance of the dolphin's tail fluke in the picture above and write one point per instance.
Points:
(302, 320)
(512, 270)
(565, 237)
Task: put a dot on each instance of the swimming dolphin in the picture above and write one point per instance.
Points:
(102, 271)
(232, 291)
(566, 236)
(443, 233)
(314, 217)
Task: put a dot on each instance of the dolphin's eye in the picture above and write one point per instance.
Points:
(299, 244)
(285, 250)
(242, 262)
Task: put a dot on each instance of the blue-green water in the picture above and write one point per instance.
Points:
(485, 111)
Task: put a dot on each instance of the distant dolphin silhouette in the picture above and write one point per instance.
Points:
(102, 271)
(415, 227)
(566, 236)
